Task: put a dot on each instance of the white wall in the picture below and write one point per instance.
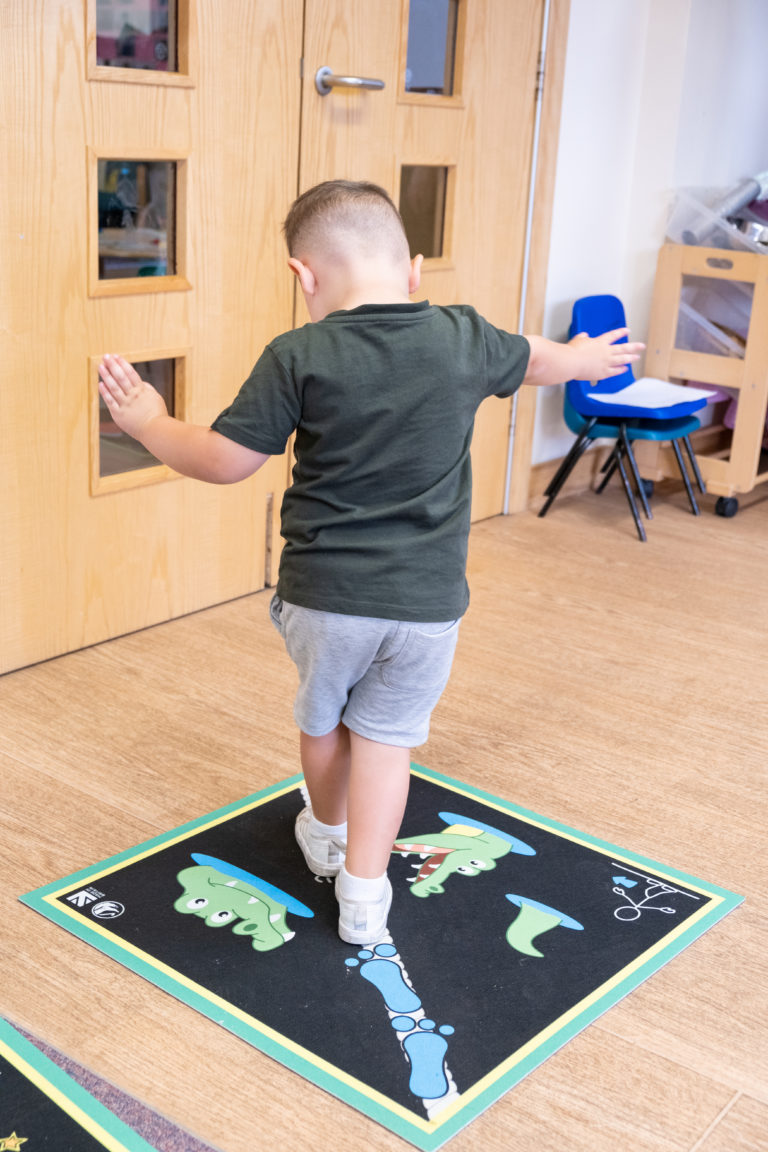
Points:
(658, 94)
(723, 133)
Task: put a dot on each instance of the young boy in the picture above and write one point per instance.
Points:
(382, 394)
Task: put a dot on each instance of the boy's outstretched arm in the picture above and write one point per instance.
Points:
(138, 409)
(582, 358)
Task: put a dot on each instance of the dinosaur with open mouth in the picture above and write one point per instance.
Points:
(467, 847)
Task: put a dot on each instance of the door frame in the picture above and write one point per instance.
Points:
(524, 418)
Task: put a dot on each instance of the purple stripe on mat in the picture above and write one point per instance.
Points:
(155, 1129)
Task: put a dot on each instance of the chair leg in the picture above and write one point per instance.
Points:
(630, 496)
(636, 473)
(609, 468)
(578, 449)
(685, 476)
(567, 464)
(694, 465)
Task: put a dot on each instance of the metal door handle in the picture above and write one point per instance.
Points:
(325, 80)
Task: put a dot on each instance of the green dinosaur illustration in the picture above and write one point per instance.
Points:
(225, 895)
(465, 848)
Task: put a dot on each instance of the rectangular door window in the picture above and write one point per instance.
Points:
(137, 210)
(137, 34)
(137, 227)
(431, 57)
(423, 194)
(117, 460)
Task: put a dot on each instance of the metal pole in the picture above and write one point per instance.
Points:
(528, 230)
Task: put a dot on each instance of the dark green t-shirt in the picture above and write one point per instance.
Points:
(383, 400)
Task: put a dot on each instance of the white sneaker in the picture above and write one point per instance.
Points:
(363, 921)
(324, 854)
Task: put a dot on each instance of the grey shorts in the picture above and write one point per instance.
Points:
(382, 678)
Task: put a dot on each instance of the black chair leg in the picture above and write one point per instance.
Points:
(623, 446)
(609, 468)
(685, 476)
(694, 465)
(565, 465)
(578, 448)
(630, 496)
(635, 473)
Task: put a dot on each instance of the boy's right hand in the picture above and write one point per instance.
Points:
(598, 357)
(131, 401)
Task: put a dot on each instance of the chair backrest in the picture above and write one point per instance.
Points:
(595, 315)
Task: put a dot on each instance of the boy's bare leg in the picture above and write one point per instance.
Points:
(379, 779)
(325, 761)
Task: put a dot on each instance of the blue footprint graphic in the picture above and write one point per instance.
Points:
(426, 1051)
(424, 1047)
(387, 977)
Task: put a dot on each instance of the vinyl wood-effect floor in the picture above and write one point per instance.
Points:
(615, 686)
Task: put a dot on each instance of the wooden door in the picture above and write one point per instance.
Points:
(91, 547)
(89, 550)
(465, 148)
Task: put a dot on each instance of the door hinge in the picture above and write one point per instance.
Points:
(541, 71)
(301, 68)
(269, 524)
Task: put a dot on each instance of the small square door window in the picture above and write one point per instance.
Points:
(137, 225)
(137, 34)
(119, 452)
(431, 59)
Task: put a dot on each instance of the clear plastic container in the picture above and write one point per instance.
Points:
(693, 221)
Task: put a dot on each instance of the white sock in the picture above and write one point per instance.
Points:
(337, 831)
(361, 887)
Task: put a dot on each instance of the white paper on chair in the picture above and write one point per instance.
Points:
(648, 392)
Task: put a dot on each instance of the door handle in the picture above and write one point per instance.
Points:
(325, 80)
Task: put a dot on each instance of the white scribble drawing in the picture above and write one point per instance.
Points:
(654, 890)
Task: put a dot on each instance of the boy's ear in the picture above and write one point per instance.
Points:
(414, 276)
(304, 275)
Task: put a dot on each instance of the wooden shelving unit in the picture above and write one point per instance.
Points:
(731, 461)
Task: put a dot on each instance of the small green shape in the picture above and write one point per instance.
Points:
(533, 920)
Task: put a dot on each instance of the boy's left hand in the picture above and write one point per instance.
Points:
(131, 401)
(601, 357)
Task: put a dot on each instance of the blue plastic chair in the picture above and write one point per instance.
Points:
(592, 419)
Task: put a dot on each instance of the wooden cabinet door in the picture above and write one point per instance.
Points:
(474, 141)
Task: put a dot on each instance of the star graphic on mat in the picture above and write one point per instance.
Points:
(12, 1143)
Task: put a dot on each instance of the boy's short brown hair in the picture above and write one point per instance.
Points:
(355, 206)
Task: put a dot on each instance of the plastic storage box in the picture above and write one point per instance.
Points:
(693, 221)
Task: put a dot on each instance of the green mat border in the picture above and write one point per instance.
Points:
(427, 1134)
(92, 1116)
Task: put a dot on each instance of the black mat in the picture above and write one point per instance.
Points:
(43, 1108)
(508, 934)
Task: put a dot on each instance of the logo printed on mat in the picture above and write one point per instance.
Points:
(84, 896)
(108, 909)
